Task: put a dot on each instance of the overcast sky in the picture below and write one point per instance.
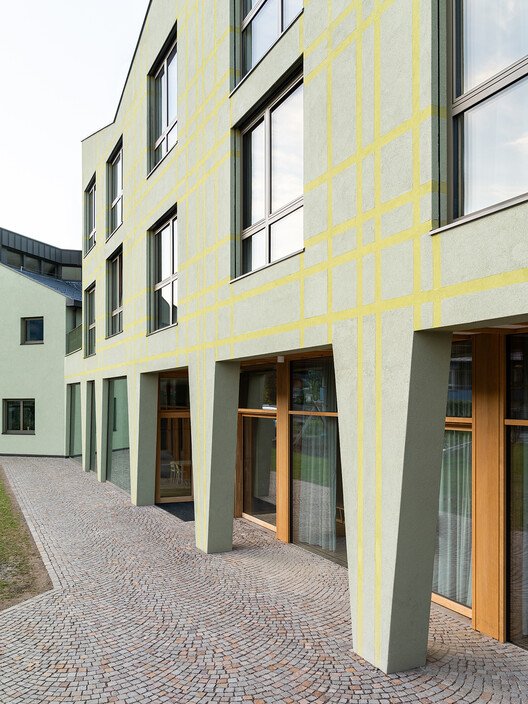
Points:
(63, 64)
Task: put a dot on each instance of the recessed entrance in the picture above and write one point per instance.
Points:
(174, 465)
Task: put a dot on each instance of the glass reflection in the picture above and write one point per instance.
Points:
(313, 386)
(254, 175)
(494, 37)
(259, 467)
(290, 10)
(258, 389)
(173, 393)
(260, 34)
(287, 235)
(118, 463)
(287, 150)
(518, 536)
(459, 392)
(92, 458)
(452, 577)
(517, 376)
(254, 252)
(495, 145)
(172, 88)
(175, 480)
(75, 423)
(163, 304)
(318, 519)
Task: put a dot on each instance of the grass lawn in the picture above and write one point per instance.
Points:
(22, 574)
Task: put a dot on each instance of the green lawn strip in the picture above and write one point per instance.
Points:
(15, 550)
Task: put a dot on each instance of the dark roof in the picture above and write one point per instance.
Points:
(21, 243)
(69, 289)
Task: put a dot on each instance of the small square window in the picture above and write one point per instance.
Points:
(19, 416)
(32, 331)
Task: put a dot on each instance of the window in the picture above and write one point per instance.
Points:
(488, 103)
(19, 416)
(164, 305)
(32, 331)
(164, 110)
(115, 190)
(89, 321)
(89, 208)
(272, 182)
(263, 21)
(115, 293)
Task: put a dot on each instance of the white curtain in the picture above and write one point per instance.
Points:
(453, 558)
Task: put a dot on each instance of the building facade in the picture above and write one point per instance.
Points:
(304, 235)
(40, 289)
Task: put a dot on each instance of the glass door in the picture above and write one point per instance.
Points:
(517, 454)
(174, 480)
(260, 468)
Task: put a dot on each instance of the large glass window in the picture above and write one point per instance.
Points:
(118, 463)
(452, 577)
(164, 106)
(75, 434)
(262, 24)
(92, 437)
(489, 105)
(89, 216)
(115, 293)
(272, 182)
(89, 321)
(115, 184)
(317, 509)
(517, 463)
(164, 262)
(19, 416)
(174, 480)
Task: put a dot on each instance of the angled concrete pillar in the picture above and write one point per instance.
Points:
(214, 406)
(391, 389)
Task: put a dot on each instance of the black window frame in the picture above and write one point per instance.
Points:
(171, 219)
(114, 278)
(89, 321)
(90, 213)
(113, 202)
(20, 431)
(168, 51)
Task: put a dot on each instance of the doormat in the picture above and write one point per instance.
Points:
(184, 510)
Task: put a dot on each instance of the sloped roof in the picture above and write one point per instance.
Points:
(68, 289)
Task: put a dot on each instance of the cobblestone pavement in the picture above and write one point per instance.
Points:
(138, 615)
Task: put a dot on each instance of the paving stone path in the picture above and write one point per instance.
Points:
(138, 615)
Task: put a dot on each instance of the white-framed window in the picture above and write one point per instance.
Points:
(272, 182)
(164, 268)
(89, 321)
(89, 216)
(32, 331)
(164, 105)
(263, 21)
(488, 104)
(115, 190)
(115, 293)
(19, 416)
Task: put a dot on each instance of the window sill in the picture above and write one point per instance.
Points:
(87, 356)
(18, 432)
(113, 232)
(114, 334)
(252, 69)
(87, 252)
(154, 168)
(30, 344)
(266, 266)
(167, 327)
(470, 217)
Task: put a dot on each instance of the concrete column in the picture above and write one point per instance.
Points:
(214, 405)
(391, 389)
(143, 453)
